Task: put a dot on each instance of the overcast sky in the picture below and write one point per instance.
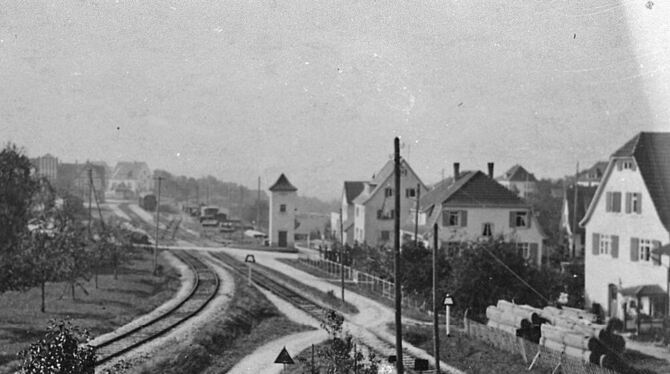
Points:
(318, 90)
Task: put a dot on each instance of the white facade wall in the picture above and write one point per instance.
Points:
(368, 226)
(499, 217)
(602, 270)
(282, 221)
(522, 188)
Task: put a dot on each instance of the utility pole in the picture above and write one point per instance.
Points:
(396, 276)
(258, 206)
(158, 208)
(574, 216)
(436, 330)
(342, 253)
(416, 217)
(90, 198)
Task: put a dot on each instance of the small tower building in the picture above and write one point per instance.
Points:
(282, 212)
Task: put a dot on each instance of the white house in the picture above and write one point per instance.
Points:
(282, 213)
(473, 206)
(519, 180)
(575, 203)
(350, 191)
(130, 179)
(627, 230)
(368, 208)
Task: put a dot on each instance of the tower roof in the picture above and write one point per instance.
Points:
(282, 184)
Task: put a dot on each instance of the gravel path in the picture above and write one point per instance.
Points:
(117, 211)
(369, 325)
(262, 359)
(187, 331)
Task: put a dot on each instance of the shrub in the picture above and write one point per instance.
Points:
(59, 352)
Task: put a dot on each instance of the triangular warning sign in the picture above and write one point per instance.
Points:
(284, 357)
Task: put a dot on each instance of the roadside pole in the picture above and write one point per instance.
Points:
(342, 253)
(396, 276)
(436, 329)
(158, 205)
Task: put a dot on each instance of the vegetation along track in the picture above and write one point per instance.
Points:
(312, 308)
(205, 287)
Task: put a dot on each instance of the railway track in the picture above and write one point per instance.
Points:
(205, 287)
(310, 307)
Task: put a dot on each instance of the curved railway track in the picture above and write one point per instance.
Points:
(205, 287)
(310, 307)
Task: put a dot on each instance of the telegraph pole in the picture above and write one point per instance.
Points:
(258, 206)
(396, 276)
(574, 216)
(342, 253)
(90, 198)
(416, 217)
(158, 205)
(436, 330)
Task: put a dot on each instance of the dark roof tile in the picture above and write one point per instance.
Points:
(282, 184)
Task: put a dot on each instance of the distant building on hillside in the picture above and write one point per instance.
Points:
(130, 179)
(519, 180)
(76, 179)
(310, 223)
(46, 166)
(591, 177)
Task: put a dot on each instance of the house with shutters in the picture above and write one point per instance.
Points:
(576, 200)
(591, 177)
(519, 180)
(370, 205)
(345, 219)
(474, 206)
(628, 229)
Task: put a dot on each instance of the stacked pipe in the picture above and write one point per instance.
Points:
(573, 332)
(520, 320)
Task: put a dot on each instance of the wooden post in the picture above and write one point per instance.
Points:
(396, 276)
(416, 216)
(436, 329)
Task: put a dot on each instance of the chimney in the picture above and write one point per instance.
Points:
(491, 170)
(457, 168)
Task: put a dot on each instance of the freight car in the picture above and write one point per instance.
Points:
(148, 202)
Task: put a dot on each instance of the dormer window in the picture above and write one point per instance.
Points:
(519, 219)
(388, 192)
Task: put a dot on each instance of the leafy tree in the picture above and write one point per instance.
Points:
(17, 187)
(60, 351)
(339, 355)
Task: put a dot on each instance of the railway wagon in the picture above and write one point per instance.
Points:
(148, 202)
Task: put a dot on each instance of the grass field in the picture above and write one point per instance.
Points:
(113, 304)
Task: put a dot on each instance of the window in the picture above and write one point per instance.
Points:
(519, 219)
(381, 214)
(452, 248)
(636, 203)
(613, 202)
(628, 165)
(523, 249)
(450, 218)
(605, 243)
(282, 208)
(487, 229)
(410, 192)
(388, 192)
(645, 250)
(386, 235)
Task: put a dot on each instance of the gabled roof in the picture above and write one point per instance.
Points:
(651, 151)
(597, 170)
(129, 170)
(352, 189)
(517, 174)
(282, 184)
(379, 180)
(471, 189)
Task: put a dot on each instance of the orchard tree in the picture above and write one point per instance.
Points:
(60, 351)
(17, 187)
(339, 355)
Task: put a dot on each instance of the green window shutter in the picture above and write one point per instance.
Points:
(464, 218)
(634, 249)
(639, 203)
(445, 218)
(608, 201)
(512, 216)
(534, 251)
(629, 197)
(617, 202)
(615, 246)
(596, 244)
(530, 219)
(655, 257)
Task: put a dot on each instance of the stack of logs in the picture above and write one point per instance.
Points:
(567, 330)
